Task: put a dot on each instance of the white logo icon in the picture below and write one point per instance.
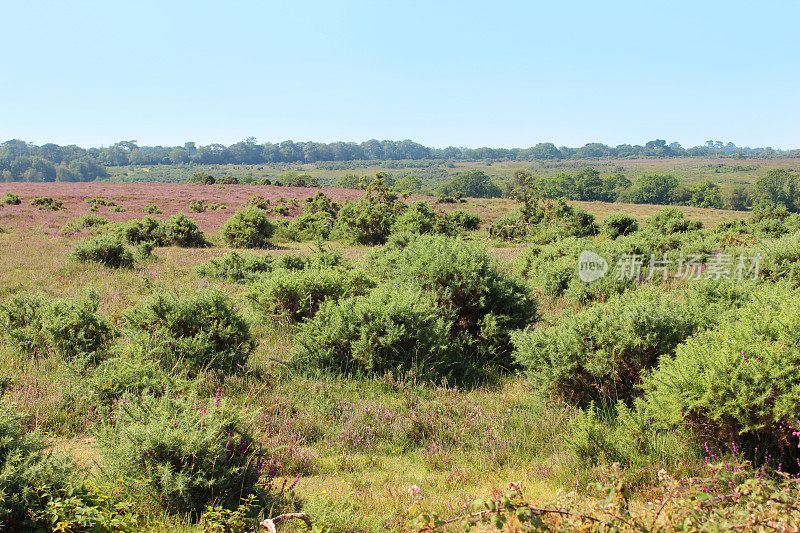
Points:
(591, 266)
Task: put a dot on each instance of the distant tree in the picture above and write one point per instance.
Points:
(738, 199)
(588, 185)
(779, 187)
(545, 151)
(706, 194)
(652, 189)
(474, 184)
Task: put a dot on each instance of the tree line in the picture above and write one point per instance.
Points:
(23, 161)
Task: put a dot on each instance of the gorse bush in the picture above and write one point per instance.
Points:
(736, 384)
(127, 373)
(191, 452)
(618, 224)
(368, 221)
(308, 226)
(108, 250)
(72, 329)
(31, 478)
(298, 294)
(152, 209)
(391, 329)
(672, 220)
(249, 228)
(46, 202)
(83, 222)
(201, 206)
(236, 267)
(418, 217)
(178, 230)
(202, 331)
(11, 199)
(483, 302)
(601, 352)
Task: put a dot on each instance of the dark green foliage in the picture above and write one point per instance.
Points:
(652, 189)
(180, 230)
(418, 217)
(46, 202)
(108, 250)
(128, 373)
(101, 202)
(320, 203)
(391, 329)
(83, 222)
(706, 194)
(298, 294)
(190, 452)
(236, 267)
(152, 209)
(257, 201)
(369, 220)
(601, 352)
(738, 382)
(308, 227)
(672, 220)
(199, 331)
(202, 178)
(248, 228)
(618, 224)
(228, 180)
(474, 184)
(72, 329)
(11, 199)
(462, 220)
(30, 476)
(484, 302)
(201, 206)
(778, 188)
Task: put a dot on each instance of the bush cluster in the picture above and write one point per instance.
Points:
(107, 250)
(248, 228)
(178, 230)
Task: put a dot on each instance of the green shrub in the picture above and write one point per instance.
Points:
(30, 477)
(249, 228)
(11, 199)
(618, 224)
(463, 220)
(101, 201)
(228, 180)
(107, 250)
(601, 352)
(484, 302)
(391, 329)
(202, 178)
(368, 221)
(46, 202)
(201, 206)
(180, 230)
(72, 329)
(200, 331)
(320, 203)
(418, 217)
(148, 229)
(257, 201)
(298, 294)
(152, 209)
(190, 452)
(127, 373)
(308, 226)
(737, 383)
(779, 259)
(235, 267)
(83, 222)
(672, 220)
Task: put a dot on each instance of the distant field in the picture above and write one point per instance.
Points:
(724, 171)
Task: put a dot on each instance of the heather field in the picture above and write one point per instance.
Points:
(384, 364)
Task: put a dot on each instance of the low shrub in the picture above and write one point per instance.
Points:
(418, 217)
(87, 221)
(257, 201)
(191, 452)
(198, 332)
(148, 229)
(152, 209)
(298, 294)
(70, 328)
(736, 385)
(672, 220)
(391, 329)
(108, 250)
(127, 373)
(484, 302)
(31, 478)
(180, 230)
(248, 228)
(46, 202)
(618, 224)
(308, 227)
(463, 220)
(601, 352)
(236, 267)
(201, 206)
(368, 221)
(101, 202)
(11, 199)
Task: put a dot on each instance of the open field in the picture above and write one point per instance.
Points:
(358, 451)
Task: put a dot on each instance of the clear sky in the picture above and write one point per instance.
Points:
(490, 73)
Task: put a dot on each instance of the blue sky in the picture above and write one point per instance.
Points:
(500, 73)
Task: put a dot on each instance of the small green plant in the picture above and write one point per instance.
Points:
(87, 221)
(619, 224)
(152, 209)
(672, 220)
(258, 202)
(11, 199)
(180, 230)
(107, 250)
(236, 267)
(100, 202)
(47, 203)
(249, 228)
(200, 206)
(200, 331)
